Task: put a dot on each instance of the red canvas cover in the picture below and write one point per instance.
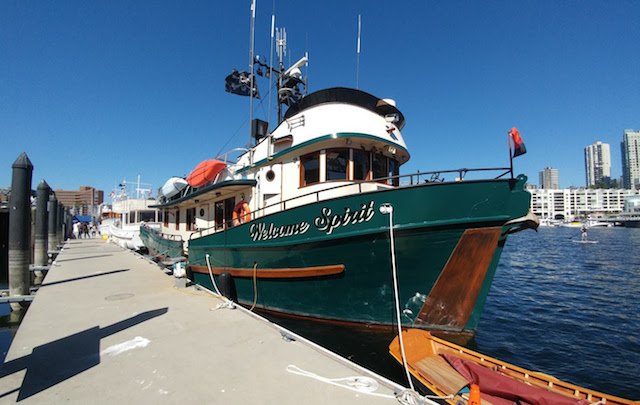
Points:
(502, 390)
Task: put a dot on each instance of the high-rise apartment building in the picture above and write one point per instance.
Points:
(84, 201)
(630, 148)
(597, 164)
(549, 179)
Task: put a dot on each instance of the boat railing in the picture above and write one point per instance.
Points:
(405, 180)
(168, 236)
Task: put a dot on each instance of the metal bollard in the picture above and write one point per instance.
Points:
(42, 216)
(53, 215)
(19, 230)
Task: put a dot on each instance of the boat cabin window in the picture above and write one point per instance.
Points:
(361, 164)
(223, 213)
(229, 205)
(166, 219)
(191, 219)
(337, 164)
(219, 214)
(146, 216)
(310, 169)
(177, 219)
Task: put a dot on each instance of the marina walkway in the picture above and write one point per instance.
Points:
(108, 326)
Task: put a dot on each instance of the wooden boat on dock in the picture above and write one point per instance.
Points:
(448, 370)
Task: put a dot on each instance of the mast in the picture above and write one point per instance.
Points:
(358, 54)
(251, 61)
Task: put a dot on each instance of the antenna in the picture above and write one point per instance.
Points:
(273, 25)
(281, 51)
(358, 54)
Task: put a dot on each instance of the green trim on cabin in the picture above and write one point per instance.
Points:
(320, 139)
(204, 190)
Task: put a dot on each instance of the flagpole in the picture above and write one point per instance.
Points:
(510, 154)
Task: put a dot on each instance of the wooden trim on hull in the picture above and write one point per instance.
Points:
(283, 273)
(454, 295)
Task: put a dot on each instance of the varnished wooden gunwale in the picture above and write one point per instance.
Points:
(282, 273)
(421, 344)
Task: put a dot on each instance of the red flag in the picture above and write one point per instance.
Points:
(519, 148)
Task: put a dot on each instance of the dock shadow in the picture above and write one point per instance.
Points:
(105, 273)
(57, 361)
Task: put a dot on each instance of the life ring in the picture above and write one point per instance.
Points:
(241, 213)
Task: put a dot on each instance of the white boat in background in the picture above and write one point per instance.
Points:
(594, 223)
(574, 224)
(550, 223)
(122, 221)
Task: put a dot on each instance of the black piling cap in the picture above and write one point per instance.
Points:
(43, 185)
(22, 162)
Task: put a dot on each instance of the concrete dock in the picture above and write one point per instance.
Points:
(108, 326)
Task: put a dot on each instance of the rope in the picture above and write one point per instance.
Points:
(368, 386)
(213, 281)
(388, 209)
(361, 384)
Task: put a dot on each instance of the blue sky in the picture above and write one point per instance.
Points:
(100, 91)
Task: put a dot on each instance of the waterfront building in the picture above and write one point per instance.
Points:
(578, 202)
(597, 164)
(632, 205)
(84, 201)
(549, 178)
(630, 148)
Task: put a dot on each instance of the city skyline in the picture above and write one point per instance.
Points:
(597, 164)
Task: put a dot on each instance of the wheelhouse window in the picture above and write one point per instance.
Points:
(394, 172)
(379, 166)
(337, 164)
(310, 169)
(348, 164)
(361, 165)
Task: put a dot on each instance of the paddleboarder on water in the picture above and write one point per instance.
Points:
(584, 233)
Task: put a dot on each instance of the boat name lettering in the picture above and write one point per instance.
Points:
(328, 222)
(263, 231)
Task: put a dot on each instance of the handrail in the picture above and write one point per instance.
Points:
(164, 235)
(434, 177)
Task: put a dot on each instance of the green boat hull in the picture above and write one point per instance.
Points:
(448, 240)
(160, 246)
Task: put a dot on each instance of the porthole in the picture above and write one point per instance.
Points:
(271, 175)
(201, 212)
